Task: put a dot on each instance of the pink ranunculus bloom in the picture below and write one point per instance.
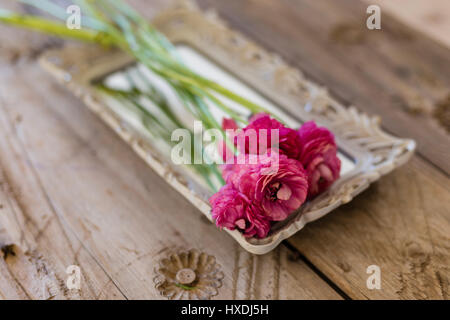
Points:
(288, 143)
(319, 157)
(276, 183)
(231, 209)
(229, 124)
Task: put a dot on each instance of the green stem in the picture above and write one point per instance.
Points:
(153, 125)
(54, 28)
(60, 13)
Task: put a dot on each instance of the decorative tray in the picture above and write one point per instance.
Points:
(207, 44)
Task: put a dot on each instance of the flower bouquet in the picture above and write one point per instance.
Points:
(269, 180)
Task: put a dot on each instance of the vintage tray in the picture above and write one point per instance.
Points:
(367, 151)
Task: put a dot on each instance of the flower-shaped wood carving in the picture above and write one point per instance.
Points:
(188, 275)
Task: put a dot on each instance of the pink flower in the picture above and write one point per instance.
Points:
(231, 209)
(229, 124)
(289, 143)
(276, 183)
(319, 157)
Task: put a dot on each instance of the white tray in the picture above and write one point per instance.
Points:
(372, 151)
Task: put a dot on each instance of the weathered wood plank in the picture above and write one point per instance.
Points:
(125, 216)
(36, 247)
(280, 274)
(401, 224)
(396, 72)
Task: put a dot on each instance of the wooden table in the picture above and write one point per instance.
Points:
(72, 193)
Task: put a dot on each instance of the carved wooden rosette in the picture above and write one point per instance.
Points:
(188, 275)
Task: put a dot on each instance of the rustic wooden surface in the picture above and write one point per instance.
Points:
(71, 192)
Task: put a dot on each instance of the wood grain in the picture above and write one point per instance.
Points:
(37, 246)
(401, 224)
(394, 72)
